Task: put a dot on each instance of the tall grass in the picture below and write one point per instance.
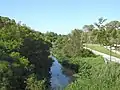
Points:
(95, 75)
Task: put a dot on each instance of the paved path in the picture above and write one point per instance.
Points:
(106, 57)
(107, 47)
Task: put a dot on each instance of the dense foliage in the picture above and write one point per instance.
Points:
(104, 34)
(24, 57)
(71, 45)
(95, 75)
(91, 71)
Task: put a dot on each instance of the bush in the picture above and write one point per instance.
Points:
(96, 76)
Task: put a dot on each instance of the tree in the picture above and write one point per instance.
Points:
(101, 33)
(88, 27)
(113, 25)
(113, 28)
(100, 22)
(74, 44)
(104, 37)
(23, 52)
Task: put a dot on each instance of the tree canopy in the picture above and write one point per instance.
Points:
(24, 57)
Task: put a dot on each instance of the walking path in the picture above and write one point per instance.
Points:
(106, 57)
(112, 50)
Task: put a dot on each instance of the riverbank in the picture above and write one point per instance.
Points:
(94, 74)
(60, 76)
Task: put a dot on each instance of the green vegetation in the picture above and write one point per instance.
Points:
(101, 49)
(91, 71)
(71, 46)
(97, 76)
(25, 56)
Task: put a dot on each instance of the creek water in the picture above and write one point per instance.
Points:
(60, 76)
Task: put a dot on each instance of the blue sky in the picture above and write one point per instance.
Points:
(60, 16)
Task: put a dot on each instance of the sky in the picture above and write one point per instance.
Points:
(60, 16)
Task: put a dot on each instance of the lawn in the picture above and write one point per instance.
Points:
(102, 49)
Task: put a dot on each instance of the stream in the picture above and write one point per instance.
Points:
(60, 76)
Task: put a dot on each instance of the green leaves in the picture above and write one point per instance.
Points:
(23, 52)
(34, 84)
(5, 74)
(19, 59)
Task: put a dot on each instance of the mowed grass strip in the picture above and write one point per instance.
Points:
(102, 49)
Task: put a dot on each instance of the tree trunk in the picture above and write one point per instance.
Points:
(116, 46)
(110, 52)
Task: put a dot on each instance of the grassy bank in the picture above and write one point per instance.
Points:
(93, 74)
(102, 49)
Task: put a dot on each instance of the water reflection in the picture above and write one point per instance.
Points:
(59, 78)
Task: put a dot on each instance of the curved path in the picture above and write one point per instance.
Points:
(106, 57)
(112, 50)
